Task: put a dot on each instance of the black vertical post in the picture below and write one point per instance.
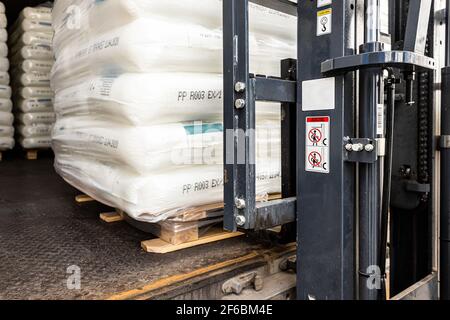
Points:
(445, 186)
(288, 149)
(239, 119)
(326, 201)
(369, 188)
(445, 172)
(289, 135)
(370, 98)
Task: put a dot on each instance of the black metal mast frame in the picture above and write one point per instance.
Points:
(241, 91)
(326, 202)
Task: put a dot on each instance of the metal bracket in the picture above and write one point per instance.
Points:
(362, 150)
(238, 284)
(414, 186)
(378, 59)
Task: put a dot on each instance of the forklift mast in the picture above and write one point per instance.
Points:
(360, 106)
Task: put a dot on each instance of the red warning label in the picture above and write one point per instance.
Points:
(318, 144)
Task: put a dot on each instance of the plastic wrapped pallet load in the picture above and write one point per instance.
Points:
(6, 116)
(32, 59)
(139, 114)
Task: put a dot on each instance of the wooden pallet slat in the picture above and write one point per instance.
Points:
(171, 238)
(111, 217)
(160, 246)
(82, 198)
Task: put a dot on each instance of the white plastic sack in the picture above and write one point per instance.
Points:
(6, 118)
(5, 105)
(36, 118)
(36, 143)
(2, 7)
(4, 64)
(35, 105)
(31, 38)
(3, 50)
(24, 25)
(3, 21)
(37, 13)
(6, 131)
(148, 149)
(72, 18)
(155, 197)
(37, 130)
(163, 47)
(144, 99)
(33, 80)
(4, 78)
(33, 52)
(6, 143)
(36, 66)
(5, 92)
(3, 35)
(35, 92)
(36, 52)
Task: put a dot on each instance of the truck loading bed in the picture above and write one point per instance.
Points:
(43, 231)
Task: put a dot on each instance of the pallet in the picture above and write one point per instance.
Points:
(170, 241)
(111, 217)
(199, 228)
(160, 246)
(82, 198)
(31, 154)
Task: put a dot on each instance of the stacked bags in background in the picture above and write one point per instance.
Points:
(6, 117)
(31, 57)
(138, 98)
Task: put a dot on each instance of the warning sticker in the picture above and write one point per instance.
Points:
(324, 22)
(317, 144)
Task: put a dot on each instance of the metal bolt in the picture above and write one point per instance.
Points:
(358, 147)
(239, 104)
(240, 220)
(239, 87)
(369, 147)
(349, 147)
(239, 203)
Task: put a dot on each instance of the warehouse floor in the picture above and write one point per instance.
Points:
(43, 232)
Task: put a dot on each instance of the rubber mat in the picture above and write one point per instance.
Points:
(43, 232)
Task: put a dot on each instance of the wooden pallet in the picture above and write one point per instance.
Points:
(82, 198)
(31, 154)
(213, 235)
(111, 217)
(169, 240)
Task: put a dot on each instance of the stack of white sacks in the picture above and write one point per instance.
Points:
(138, 97)
(6, 117)
(31, 58)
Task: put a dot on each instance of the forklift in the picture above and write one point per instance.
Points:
(365, 118)
(365, 110)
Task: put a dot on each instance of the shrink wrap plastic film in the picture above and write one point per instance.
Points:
(139, 114)
(158, 196)
(76, 18)
(6, 116)
(149, 98)
(32, 60)
(173, 47)
(147, 149)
